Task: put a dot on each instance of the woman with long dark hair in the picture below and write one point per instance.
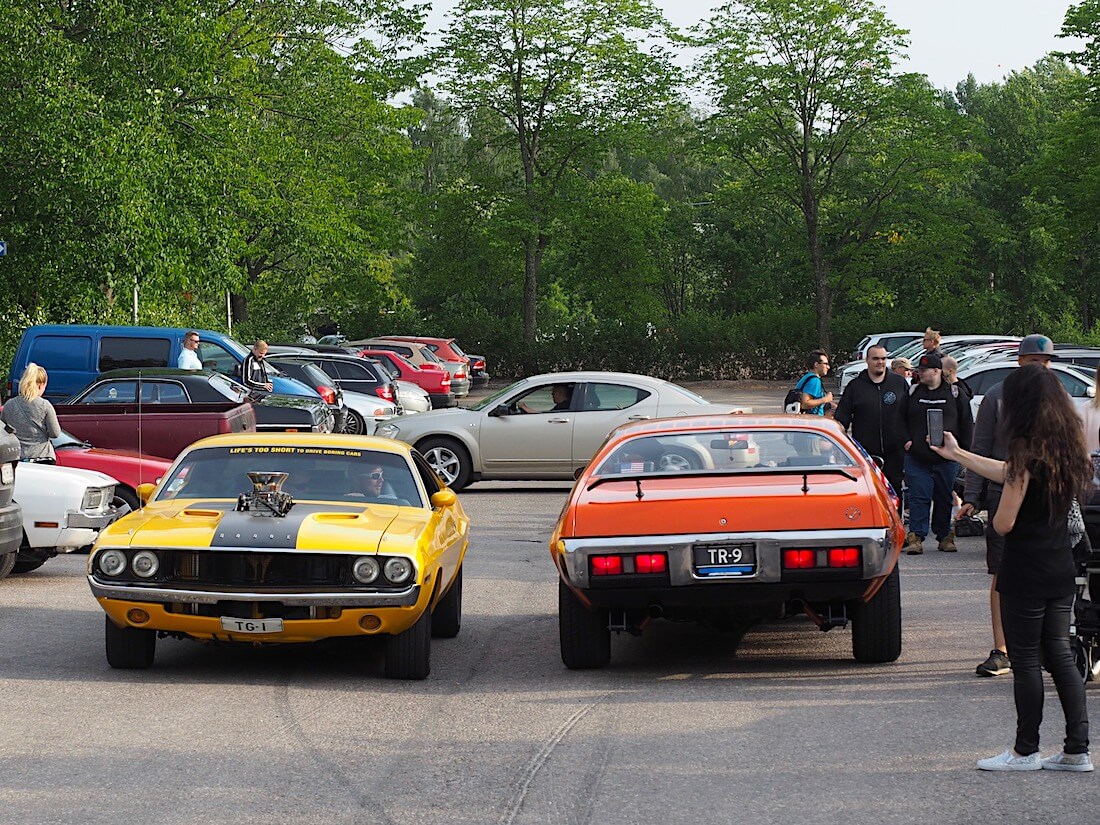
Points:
(1047, 466)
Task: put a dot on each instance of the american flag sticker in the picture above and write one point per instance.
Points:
(632, 467)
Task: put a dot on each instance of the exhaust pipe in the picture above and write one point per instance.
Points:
(655, 611)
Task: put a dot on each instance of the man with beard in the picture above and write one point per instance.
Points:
(874, 406)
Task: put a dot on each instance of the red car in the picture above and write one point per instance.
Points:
(128, 468)
(436, 382)
(458, 363)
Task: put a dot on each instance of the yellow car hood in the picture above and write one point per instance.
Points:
(310, 525)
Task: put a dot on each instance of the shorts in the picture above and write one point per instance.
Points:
(994, 541)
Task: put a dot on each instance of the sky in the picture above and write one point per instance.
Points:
(947, 38)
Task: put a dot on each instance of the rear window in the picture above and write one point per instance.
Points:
(61, 352)
(124, 353)
(725, 450)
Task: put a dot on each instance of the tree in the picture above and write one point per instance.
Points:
(559, 79)
(808, 102)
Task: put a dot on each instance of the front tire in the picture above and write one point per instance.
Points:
(7, 562)
(128, 497)
(449, 459)
(447, 617)
(129, 648)
(584, 634)
(409, 654)
(876, 625)
(354, 424)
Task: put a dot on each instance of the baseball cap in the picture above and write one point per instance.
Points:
(929, 361)
(1036, 345)
(903, 363)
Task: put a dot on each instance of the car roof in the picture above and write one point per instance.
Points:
(155, 372)
(324, 440)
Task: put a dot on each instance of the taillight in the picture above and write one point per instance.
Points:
(446, 381)
(607, 565)
(479, 364)
(844, 557)
(385, 392)
(327, 394)
(807, 559)
(651, 563)
(460, 374)
(798, 559)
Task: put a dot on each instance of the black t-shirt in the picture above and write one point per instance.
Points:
(1038, 559)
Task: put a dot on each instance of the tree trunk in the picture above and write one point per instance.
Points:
(823, 299)
(238, 306)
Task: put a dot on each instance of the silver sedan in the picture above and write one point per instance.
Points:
(543, 427)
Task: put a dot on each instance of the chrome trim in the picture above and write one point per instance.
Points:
(873, 541)
(91, 522)
(150, 593)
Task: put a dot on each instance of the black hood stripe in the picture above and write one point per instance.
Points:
(247, 529)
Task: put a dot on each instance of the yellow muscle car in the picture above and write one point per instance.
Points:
(264, 538)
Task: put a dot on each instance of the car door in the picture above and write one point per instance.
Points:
(536, 444)
(604, 406)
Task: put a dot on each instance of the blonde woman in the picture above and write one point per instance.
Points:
(32, 417)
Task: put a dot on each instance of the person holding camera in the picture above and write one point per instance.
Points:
(931, 477)
(1045, 468)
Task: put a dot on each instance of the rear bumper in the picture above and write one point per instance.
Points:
(479, 379)
(460, 386)
(768, 584)
(442, 399)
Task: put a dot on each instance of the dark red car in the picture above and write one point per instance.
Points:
(436, 382)
(128, 468)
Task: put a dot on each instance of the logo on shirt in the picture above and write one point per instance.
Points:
(889, 398)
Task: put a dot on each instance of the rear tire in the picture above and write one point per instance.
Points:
(129, 648)
(449, 459)
(409, 654)
(876, 625)
(584, 634)
(447, 617)
(354, 424)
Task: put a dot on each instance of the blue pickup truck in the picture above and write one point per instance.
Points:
(74, 355)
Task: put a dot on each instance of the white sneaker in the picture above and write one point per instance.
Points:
(1010, 761)
(1068, 762)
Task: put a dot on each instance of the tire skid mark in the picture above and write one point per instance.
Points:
(535, 765)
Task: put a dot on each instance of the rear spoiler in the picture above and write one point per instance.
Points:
(805, 472)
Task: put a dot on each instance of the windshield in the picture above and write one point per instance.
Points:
(66, 439)
(491, 400)
(724, 450)
(315, 473)
(457, 350)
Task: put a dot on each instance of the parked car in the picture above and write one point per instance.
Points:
(1081, 387)
(813, 530)
(949, 344)
(153, 417)
(891, 340)
(316, 378)
(348, 372)
(523, 432)
(273, 411)
(356, 535)
(422, 356)
(74, 355)
(435, 382)
(128, 468)
(11, 514)
(63, 510)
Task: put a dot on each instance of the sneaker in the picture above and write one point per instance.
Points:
(914, 544)
(1068, 762)
(1010, 761)
(947, 543)
(996, 665)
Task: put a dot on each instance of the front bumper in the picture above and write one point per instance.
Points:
(290, 597)
(81, 529)
(770, 584)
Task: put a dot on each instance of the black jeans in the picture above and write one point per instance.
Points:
(1031, 625)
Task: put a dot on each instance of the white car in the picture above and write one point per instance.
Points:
(411, 398)
(543, 427)
(893, 341)
(949, 344)
(63, 510)
(1081, 388)
(368, 409)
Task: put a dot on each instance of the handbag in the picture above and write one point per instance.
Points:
(1075, 523)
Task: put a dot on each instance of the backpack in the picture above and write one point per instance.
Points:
(792, 401)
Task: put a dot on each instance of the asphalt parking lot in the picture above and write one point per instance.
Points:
(686, 725)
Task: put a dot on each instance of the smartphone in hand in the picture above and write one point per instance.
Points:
(935, 428)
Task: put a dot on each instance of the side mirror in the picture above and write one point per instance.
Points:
(497, 412)
(145, 492)
(1090, 392)
(444, 498)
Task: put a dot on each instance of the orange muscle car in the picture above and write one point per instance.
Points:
(728, 521)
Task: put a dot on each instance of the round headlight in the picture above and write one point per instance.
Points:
(387, 430)
(365, 569)
(146, 564)
(398, 570)
(112, 562)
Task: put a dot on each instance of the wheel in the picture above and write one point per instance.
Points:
(584, 634)
(354, 424)
(447, 616)
(129, 648)
(676, 462)
(876, 625)
(124, 495)
(7, 562)
(449, 459)
(409, 654)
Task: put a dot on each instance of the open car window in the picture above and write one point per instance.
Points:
(721, 450)
(314, 474)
